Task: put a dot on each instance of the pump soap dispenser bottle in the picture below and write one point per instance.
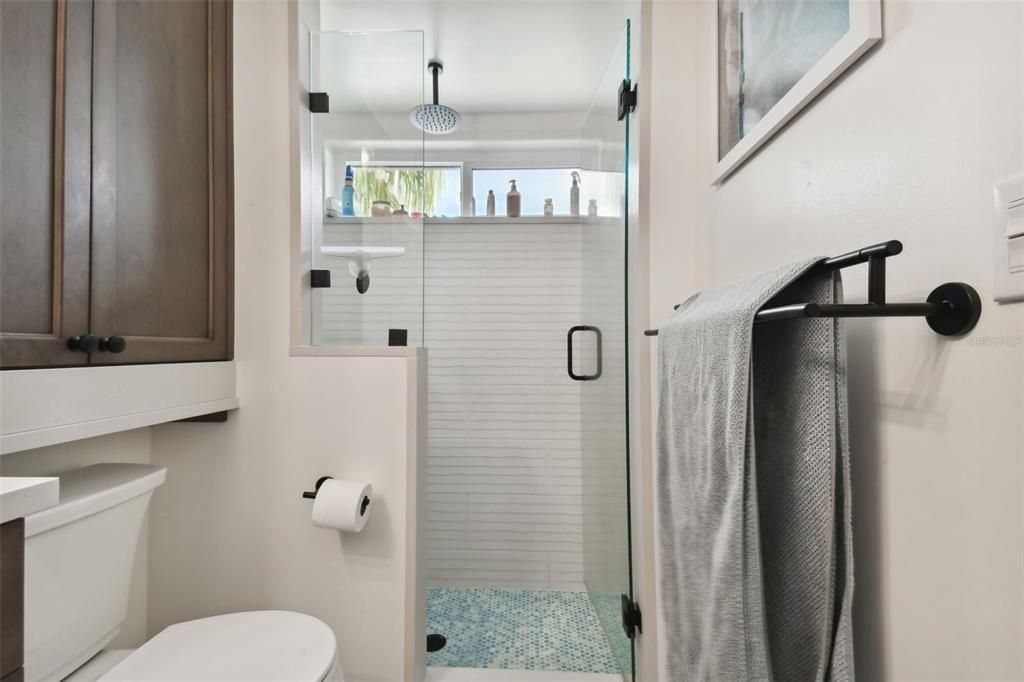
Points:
(513, 201)
(574, 194)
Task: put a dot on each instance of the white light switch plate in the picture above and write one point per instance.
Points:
(1008, 240)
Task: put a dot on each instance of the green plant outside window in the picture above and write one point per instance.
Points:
(418, 189)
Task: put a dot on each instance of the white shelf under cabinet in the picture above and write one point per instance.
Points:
(41, 407)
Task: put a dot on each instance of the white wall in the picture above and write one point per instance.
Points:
(230, 530)
(906, 146)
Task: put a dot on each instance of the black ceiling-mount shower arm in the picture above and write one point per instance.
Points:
(436, 68)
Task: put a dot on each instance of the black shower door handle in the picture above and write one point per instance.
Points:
(583, 328)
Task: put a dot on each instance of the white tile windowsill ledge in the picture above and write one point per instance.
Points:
(357, 351)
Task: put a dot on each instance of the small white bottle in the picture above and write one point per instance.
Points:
(592, 208)
(472, 207)
(490, 202)
(549, 207)
(574, 194)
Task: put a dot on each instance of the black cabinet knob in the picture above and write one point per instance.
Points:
(113, 344)
(86, 343)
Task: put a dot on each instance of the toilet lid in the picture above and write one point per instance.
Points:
(250, 646)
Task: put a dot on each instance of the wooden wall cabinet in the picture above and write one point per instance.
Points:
(116, 181)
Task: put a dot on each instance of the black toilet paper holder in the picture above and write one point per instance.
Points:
(311, 494)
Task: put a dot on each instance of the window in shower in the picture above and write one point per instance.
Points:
(535, 185)
(430, 190)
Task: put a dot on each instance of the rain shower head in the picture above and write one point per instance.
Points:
(435, 119)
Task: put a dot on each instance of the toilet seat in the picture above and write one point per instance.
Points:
(250, 646)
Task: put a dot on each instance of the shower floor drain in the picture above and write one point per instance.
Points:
(435, 643)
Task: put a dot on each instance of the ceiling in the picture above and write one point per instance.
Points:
(499, 57)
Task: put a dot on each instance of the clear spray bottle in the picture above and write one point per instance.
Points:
(574, 194)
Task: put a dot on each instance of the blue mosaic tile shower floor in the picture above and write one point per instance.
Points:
(517, 629)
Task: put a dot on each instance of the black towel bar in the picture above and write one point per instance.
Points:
(952, 309)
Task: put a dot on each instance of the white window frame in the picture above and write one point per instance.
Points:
(466, 169)
(470, 166)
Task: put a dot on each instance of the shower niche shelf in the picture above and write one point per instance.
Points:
(472, 220)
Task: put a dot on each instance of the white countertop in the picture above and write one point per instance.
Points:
(24, 495)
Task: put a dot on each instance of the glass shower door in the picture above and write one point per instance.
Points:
(598, 357)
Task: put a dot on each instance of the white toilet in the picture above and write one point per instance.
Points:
(78, 565)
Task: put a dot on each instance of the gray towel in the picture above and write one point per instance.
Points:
(753, 486)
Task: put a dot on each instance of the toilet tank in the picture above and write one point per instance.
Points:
(78, 565)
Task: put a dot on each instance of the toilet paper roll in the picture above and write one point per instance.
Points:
(344, 505)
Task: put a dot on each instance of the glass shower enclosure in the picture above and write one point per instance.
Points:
(525, 325)
(372, 245)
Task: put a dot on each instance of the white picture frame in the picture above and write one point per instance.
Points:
(865, 29)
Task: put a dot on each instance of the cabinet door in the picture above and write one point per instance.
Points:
(45, 95)
(162, 213)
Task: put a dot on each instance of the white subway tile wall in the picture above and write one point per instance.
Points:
(504, 491)
(504, 475)
(395, 297)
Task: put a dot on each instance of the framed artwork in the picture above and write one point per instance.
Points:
(773, 57)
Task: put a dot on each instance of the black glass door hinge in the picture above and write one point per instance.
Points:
(319, 279)
(632, 622)
(319, 103)
(628, 95)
